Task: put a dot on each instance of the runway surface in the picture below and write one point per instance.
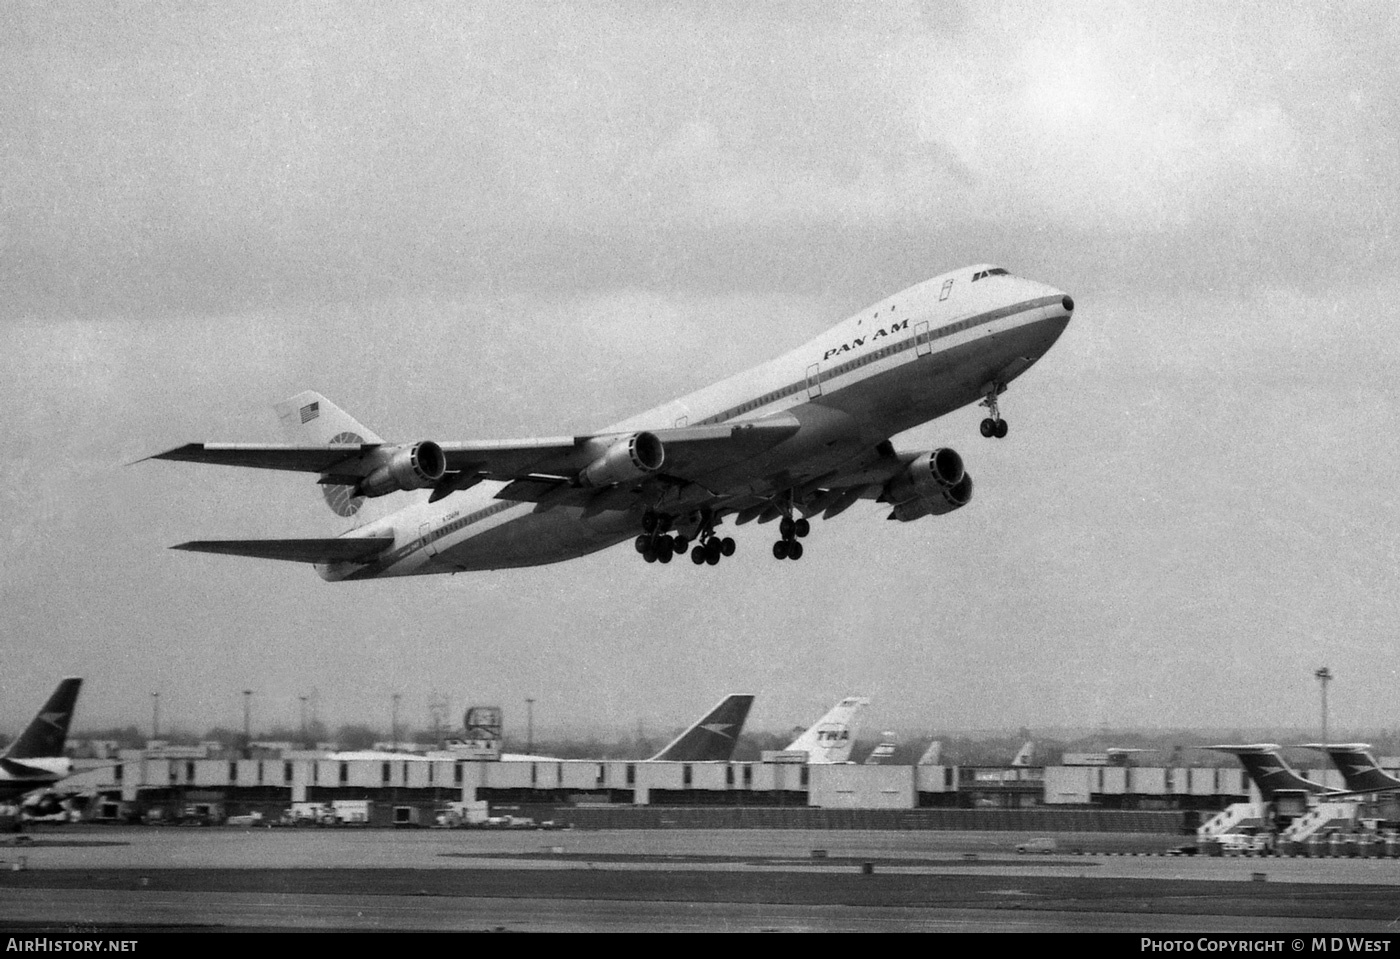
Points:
(221, 879)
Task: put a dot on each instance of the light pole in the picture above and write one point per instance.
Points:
(530, 726)
(304, 743)
(396, 722)
(1324, 676)
(155, 715)
(247, 723)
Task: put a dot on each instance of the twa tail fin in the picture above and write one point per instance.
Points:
(712, 738)
(1024, 756)
(46, 734)
(1268, 769)
(831, 738)
(1358, 767)
(310, 418)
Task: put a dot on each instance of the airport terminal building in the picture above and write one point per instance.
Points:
(417, 789)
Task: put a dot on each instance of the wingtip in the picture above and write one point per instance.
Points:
(164, 454)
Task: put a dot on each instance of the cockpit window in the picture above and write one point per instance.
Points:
(998, 271)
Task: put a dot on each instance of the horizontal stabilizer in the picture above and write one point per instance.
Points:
(16, 770)
(339, 550)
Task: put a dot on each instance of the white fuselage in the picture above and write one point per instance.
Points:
(908, 359)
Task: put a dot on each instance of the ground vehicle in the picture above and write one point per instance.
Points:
(1242, 843)
(1041, 844)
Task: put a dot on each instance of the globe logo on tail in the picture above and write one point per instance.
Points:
(341, 499)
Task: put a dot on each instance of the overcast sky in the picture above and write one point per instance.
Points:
(502, 220)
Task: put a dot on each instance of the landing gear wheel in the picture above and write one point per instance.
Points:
(697, 556)
(712, 550)
(994, 425)
(726, 547)
(780, 549)
(642, 542)
(785, 527)
(712, 558)
(664, 549)
(681, 545)
(802, 527)
(650, 555)
(794, 550)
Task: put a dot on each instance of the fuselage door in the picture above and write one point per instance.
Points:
(923, 343)
(814, 381)
(425, 533)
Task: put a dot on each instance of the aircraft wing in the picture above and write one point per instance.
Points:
(688, 450)
(338, 550)
(276, 456)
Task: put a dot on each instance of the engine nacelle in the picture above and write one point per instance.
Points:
(927, 477)
(945, 500)
(401, 468)
(627, 459)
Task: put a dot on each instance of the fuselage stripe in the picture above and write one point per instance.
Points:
(908, 343)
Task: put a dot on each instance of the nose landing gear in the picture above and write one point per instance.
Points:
(993, 426)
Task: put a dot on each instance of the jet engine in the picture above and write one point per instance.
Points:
(933, 484)
(400, 468)
(627, 459)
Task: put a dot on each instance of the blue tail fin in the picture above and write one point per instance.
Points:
(1269, 771)
(46, 734)
(1358, 767)
(711, 739)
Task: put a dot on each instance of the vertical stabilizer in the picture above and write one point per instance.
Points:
(312, 420)
(933, 755)
(713, 736)
(1024, 755)
(883, 751)
(1269, 771)
(46, 734)
(831, 738)
(1358, 767)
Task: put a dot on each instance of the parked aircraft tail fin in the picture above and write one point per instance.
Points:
(1358, 767)
(830, 739)
(883, 751)
(712, 738)
(1268, 769)
(933, 756)
(46, 734)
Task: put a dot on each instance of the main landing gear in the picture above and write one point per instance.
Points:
(657, 547)
(994, 425)
(791, 530)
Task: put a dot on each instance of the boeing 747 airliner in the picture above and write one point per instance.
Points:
(803, 435)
